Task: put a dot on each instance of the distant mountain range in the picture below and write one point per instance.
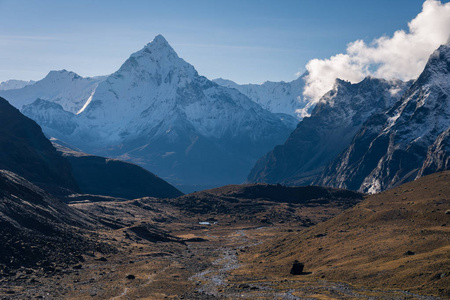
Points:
(369, 136)
(157, 111)
(276, 97)
(319, 138)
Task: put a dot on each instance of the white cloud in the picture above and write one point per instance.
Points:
(402, 56)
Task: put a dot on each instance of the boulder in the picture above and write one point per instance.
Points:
(297, 268)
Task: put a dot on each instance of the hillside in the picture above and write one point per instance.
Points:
(399, 239)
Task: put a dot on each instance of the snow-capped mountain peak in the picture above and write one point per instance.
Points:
(436, 71)
(155, 64)
(63, 87)
(14, 84)
(159, 42)
(156, 51)
(156, 110)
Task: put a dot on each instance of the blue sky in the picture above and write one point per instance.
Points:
(246, 41)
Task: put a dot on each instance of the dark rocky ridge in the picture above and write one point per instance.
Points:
(111, 177)
(264, 203)
(280, 193)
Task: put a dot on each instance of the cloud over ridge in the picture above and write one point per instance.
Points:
(401, 56)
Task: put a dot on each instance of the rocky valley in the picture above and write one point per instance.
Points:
(155, 182)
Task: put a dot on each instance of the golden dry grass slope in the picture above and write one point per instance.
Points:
(398, 239)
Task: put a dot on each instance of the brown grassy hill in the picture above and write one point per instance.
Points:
(399, 239)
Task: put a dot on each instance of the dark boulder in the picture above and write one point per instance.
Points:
(297, 268)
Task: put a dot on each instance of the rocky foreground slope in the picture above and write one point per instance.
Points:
(241, 241)
(38, 231)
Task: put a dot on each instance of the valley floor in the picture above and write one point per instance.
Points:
(241, 241)
(208, 267)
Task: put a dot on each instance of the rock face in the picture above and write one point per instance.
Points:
(318, 139)
(111, 177)
(407, 141)
(277, 97)
(438, 155)
(157, 111)
(26, 151)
